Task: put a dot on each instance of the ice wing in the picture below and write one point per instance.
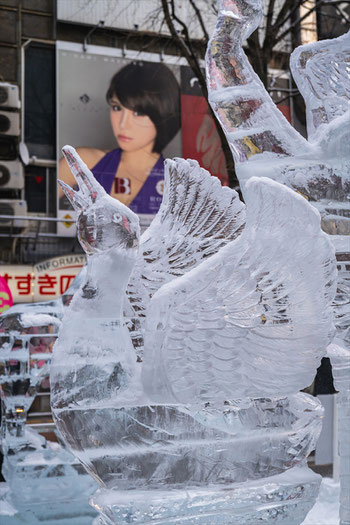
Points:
(197, 217)
(255, 319)
(322, 73)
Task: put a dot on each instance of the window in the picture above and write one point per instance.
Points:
(40, 189)
(40, 101)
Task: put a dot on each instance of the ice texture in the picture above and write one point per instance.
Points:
(342, 298)
(326, 508)
(27, 336)
(340, 359)
(263, 143)
(46, 484)
(321, 71)
(178, 362)
(284, 499)
(253, 310)
(197, 217)
(168, 446)
(214, 332)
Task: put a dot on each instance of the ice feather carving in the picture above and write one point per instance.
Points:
(322, 73)
(255, 318)
(197, 217)
(263, 143)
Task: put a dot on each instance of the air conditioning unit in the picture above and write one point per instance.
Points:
(11, 175)
(15, 208)
(8, 148)
(9, 123)
(9, 96)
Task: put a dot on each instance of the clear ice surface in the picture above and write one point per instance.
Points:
(263, 143)
(340, 358)
(27, 336)
(283, 499)
(176, 373)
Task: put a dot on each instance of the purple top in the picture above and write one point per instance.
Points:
(148, 199)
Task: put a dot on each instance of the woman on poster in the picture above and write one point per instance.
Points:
(144, 100)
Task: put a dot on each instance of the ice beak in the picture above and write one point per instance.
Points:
(91, 190)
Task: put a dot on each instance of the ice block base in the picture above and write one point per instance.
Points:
(282, 499)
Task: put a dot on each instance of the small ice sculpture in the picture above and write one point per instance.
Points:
(176, 372)
(44, 482)
(27, 335)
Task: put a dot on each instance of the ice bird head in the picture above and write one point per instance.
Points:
(103, 222)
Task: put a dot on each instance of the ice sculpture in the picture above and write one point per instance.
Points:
(262, 141)
(229, 309)
(27, 335)
(44, 482)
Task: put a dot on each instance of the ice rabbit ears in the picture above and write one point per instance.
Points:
(89, 189)
(103, 222)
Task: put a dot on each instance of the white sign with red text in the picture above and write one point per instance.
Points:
(43, 281)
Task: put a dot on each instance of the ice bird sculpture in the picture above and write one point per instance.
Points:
(177, 364)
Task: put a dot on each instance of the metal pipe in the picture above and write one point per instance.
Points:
(46, 163)
(24, 45)
(33, 218)
(100, 24)
(28, 236)
(42, 426)
(39, 414)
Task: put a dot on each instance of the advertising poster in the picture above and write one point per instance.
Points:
(125, 115)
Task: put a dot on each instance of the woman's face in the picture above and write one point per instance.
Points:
(132, 130)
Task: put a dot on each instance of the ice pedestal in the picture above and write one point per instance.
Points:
(339, 353)
(282, 499)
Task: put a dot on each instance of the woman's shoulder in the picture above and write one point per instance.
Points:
(91, 156)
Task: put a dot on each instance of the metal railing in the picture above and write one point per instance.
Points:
(13, 229)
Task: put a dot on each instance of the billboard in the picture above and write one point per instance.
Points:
(125, 115)
(200, 140)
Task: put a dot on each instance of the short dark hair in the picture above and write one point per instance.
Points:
(151, 89)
